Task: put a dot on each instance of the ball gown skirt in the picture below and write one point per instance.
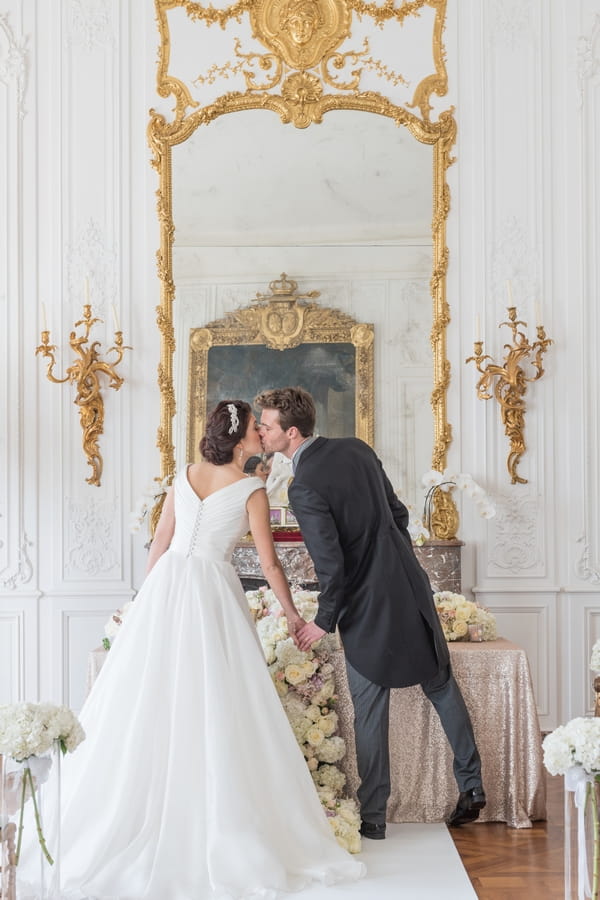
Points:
(190, 784)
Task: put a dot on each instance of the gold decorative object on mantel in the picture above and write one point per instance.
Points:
(511, 383)
(84, 373)
(302, 75)
(281, 320)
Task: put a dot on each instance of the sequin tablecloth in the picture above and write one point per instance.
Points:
(495, 681)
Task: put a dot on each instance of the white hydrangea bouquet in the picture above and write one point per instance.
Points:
(305, 683)
(28, 732)
(456, 613)
(573, 750)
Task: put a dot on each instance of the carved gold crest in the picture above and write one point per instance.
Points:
(302, 32)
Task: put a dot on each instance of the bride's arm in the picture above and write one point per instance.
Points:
(260, 526)
(164, 531)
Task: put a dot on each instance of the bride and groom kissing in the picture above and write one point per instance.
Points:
(163, 798)
(374, 590)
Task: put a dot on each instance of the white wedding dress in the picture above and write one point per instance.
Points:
(190, 784)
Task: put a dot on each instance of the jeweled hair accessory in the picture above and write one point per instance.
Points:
(233, 415)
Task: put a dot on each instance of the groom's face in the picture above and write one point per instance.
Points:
(272, 435)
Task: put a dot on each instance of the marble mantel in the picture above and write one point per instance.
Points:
(440, 559)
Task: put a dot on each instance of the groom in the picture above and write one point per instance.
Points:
(373, 588)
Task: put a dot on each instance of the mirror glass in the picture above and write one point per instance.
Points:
(343, 207)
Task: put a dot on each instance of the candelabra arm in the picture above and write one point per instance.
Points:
(540, 347)
(47, 349)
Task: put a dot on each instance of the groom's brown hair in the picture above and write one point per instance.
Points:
(294, 405)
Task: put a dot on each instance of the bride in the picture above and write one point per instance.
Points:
(190, 784)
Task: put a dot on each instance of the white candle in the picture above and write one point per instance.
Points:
(44, 319)
(477, 328)
(538, 313)
(115, 319)
(86, 289)
(510, 294)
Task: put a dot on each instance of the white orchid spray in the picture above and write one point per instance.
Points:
(420, 527)
(150, 496)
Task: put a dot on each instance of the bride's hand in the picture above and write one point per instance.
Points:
(294, 624)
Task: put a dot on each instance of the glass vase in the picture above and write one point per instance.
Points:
(8, 831)
(581, 835)
(30, 820)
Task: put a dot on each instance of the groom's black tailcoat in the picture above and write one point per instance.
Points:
(372, 585)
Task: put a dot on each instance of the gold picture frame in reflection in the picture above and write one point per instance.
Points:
(281, 339)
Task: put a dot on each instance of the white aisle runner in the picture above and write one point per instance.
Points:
(414, 862)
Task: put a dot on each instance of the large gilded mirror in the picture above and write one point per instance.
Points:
(303, 136)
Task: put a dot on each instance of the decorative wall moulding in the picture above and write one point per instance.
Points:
(13, 61)
(24, 570)
(588, 59)
(586, 569)
(90, 24)
(514, 535)
(92, 548)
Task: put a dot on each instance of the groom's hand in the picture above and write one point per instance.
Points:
(294, 626)
(308, 635)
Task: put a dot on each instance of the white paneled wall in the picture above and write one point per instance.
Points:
(77, 200)
(525, 210)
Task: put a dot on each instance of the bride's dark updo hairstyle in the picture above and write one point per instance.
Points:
(224, 429)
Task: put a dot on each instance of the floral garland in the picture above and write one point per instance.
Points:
(305, 683)
(456, 614)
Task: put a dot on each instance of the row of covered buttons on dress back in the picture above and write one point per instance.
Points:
(196, 528)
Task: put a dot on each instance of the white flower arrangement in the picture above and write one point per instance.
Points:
(595, 660)
(147, 501)
(112, 627)
(28, 731)
(575, 744)
(456, 613)
(306, 685)
(420, 528)
(573, 750)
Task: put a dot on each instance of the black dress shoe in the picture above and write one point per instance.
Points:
(468, 807)
(375, 832)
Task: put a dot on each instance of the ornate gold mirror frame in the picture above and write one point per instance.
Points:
(302, 41)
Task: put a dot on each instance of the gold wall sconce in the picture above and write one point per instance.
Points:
(84, 372)
(511, 382)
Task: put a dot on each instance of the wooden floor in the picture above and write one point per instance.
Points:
(508, 863)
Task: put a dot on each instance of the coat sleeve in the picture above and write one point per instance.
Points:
(322, 542)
